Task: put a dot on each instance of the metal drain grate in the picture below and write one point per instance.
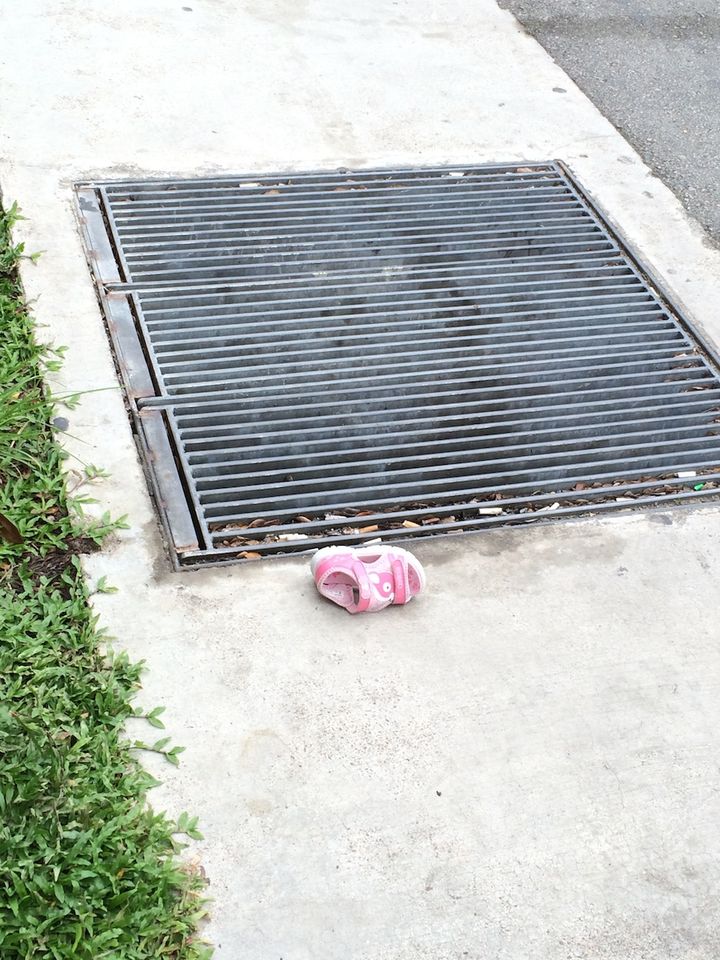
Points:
(330, 357)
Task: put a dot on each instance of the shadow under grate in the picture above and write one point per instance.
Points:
(324, 358)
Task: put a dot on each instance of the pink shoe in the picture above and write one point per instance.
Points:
(367, 579)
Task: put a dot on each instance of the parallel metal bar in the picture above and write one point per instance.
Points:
(423, 338)
(306, 435)
(206, 233)
(504, 285)
(421, 207)
(374, 233)
(558, 487)
(375, 448)
(547, 321)
(283, 379)
(311, 544)
(607, 384)
(273, 270)
(444, 489)
(407, 215)
(180, 187)
(277, 420)
(631, 299)
(406, 273)
(421, 332)
(416, 246)
(614, 306)
(473, 507)
(473, 273)
(429, 476)
(367, 199)
(455, 213)
(219, 483)
(317, 360)
(324, 176)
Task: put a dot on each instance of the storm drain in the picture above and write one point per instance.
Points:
(325, 358)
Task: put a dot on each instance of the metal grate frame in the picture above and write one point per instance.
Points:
(314, 358)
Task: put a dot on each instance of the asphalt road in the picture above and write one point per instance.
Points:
(653, 68)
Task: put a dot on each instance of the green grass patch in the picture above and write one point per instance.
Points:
(87, 869)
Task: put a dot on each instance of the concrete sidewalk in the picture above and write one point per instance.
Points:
(523, 763)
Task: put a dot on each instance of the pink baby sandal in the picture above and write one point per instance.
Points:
(367, 579)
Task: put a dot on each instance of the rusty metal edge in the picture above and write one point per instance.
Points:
(132, 364)
(179, 521)
(153, 436)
